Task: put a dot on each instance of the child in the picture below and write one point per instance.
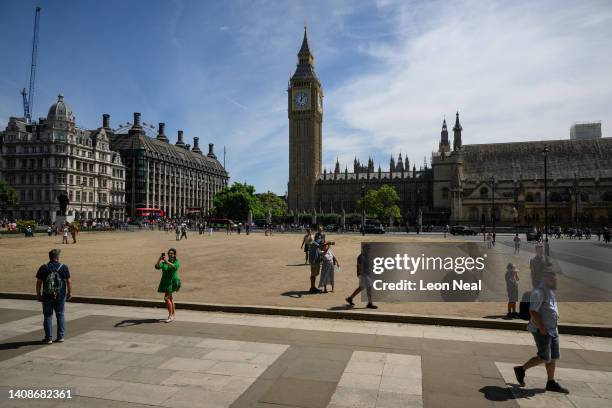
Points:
(512, 289)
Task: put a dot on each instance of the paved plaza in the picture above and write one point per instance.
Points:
(117, 356)
(269, 271)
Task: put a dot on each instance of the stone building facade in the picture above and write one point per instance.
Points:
(504, 182)
(174, 178)
(312, 189)
(53, 157)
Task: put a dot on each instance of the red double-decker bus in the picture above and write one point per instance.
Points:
(149, 212)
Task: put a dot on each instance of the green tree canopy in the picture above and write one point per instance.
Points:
(235, 202)
(382, 203)
(8, 196)
(269, 201)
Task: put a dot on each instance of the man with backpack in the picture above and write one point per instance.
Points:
(53, 288)
(543, 325)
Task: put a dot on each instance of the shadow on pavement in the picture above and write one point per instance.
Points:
(298, 293)
(19, 344)
(135, 322)
(346, 307)
(496, 393)
(300, 264)
(504, 317)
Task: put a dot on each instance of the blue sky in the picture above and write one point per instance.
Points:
(390, 70)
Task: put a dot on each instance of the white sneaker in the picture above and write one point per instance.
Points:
(169, 319)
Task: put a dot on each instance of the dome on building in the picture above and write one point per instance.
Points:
(60, 111)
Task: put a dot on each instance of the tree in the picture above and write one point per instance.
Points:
(269, 201)
(382, 203)
(235, 202)
(8, 196)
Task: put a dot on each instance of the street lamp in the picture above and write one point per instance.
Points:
(363, 215)
(545, 152)
(493, 202)
(81, 212)
(576, 192)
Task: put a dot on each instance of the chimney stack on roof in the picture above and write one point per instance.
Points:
(196, 145)
(179, 139)
(188, 146)
(106, 121)
(137, 120)
(161, 132)
(211, 152)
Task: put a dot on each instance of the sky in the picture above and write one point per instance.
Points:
(390, 70)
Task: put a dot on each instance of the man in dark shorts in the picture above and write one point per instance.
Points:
(365, 283)
(543, 325)
(53, 288)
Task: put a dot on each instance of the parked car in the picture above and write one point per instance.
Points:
(533, 235)
(374, 229)
(462, 230)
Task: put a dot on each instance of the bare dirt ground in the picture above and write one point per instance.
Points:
(236, 269)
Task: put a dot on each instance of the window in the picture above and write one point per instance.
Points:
(78, 180)
(445, 192)
(70, 178)
(91, 197)
(78, 195)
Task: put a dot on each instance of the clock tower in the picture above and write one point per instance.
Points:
(305, 111)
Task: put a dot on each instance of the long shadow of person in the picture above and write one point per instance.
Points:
(512, 392)
(298, 293)
(135, 322)
(18, 344)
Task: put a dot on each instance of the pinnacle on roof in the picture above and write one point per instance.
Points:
(305, 50)
(457, 124)
(444, 124)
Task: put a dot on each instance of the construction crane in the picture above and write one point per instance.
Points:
(28, 96)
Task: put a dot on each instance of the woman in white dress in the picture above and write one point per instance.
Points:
(328, 261)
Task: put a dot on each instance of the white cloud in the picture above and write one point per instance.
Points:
(514, 71)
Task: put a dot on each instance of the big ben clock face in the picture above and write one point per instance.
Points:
(301, 99)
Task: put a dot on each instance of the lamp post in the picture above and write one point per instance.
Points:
(576, 200)
(493, 202)
(81, 211)
(545, 152)
(363, 215)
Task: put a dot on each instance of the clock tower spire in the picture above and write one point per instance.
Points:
(305, 112)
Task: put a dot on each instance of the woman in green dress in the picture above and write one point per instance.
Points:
(170, 281)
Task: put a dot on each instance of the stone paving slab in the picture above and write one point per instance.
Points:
(150, 363)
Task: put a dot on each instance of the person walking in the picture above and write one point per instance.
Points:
(65, 235)
(314, 259)
(328, 264)
(308, 238)
(170, 281)
(489, 240)
(53, 289)
(177, 230)
(543, 325)
(183, 231)
(512, 289)
(365, 283)
(74, 230)
(517, 244)
(536, 266)
(320, 235)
